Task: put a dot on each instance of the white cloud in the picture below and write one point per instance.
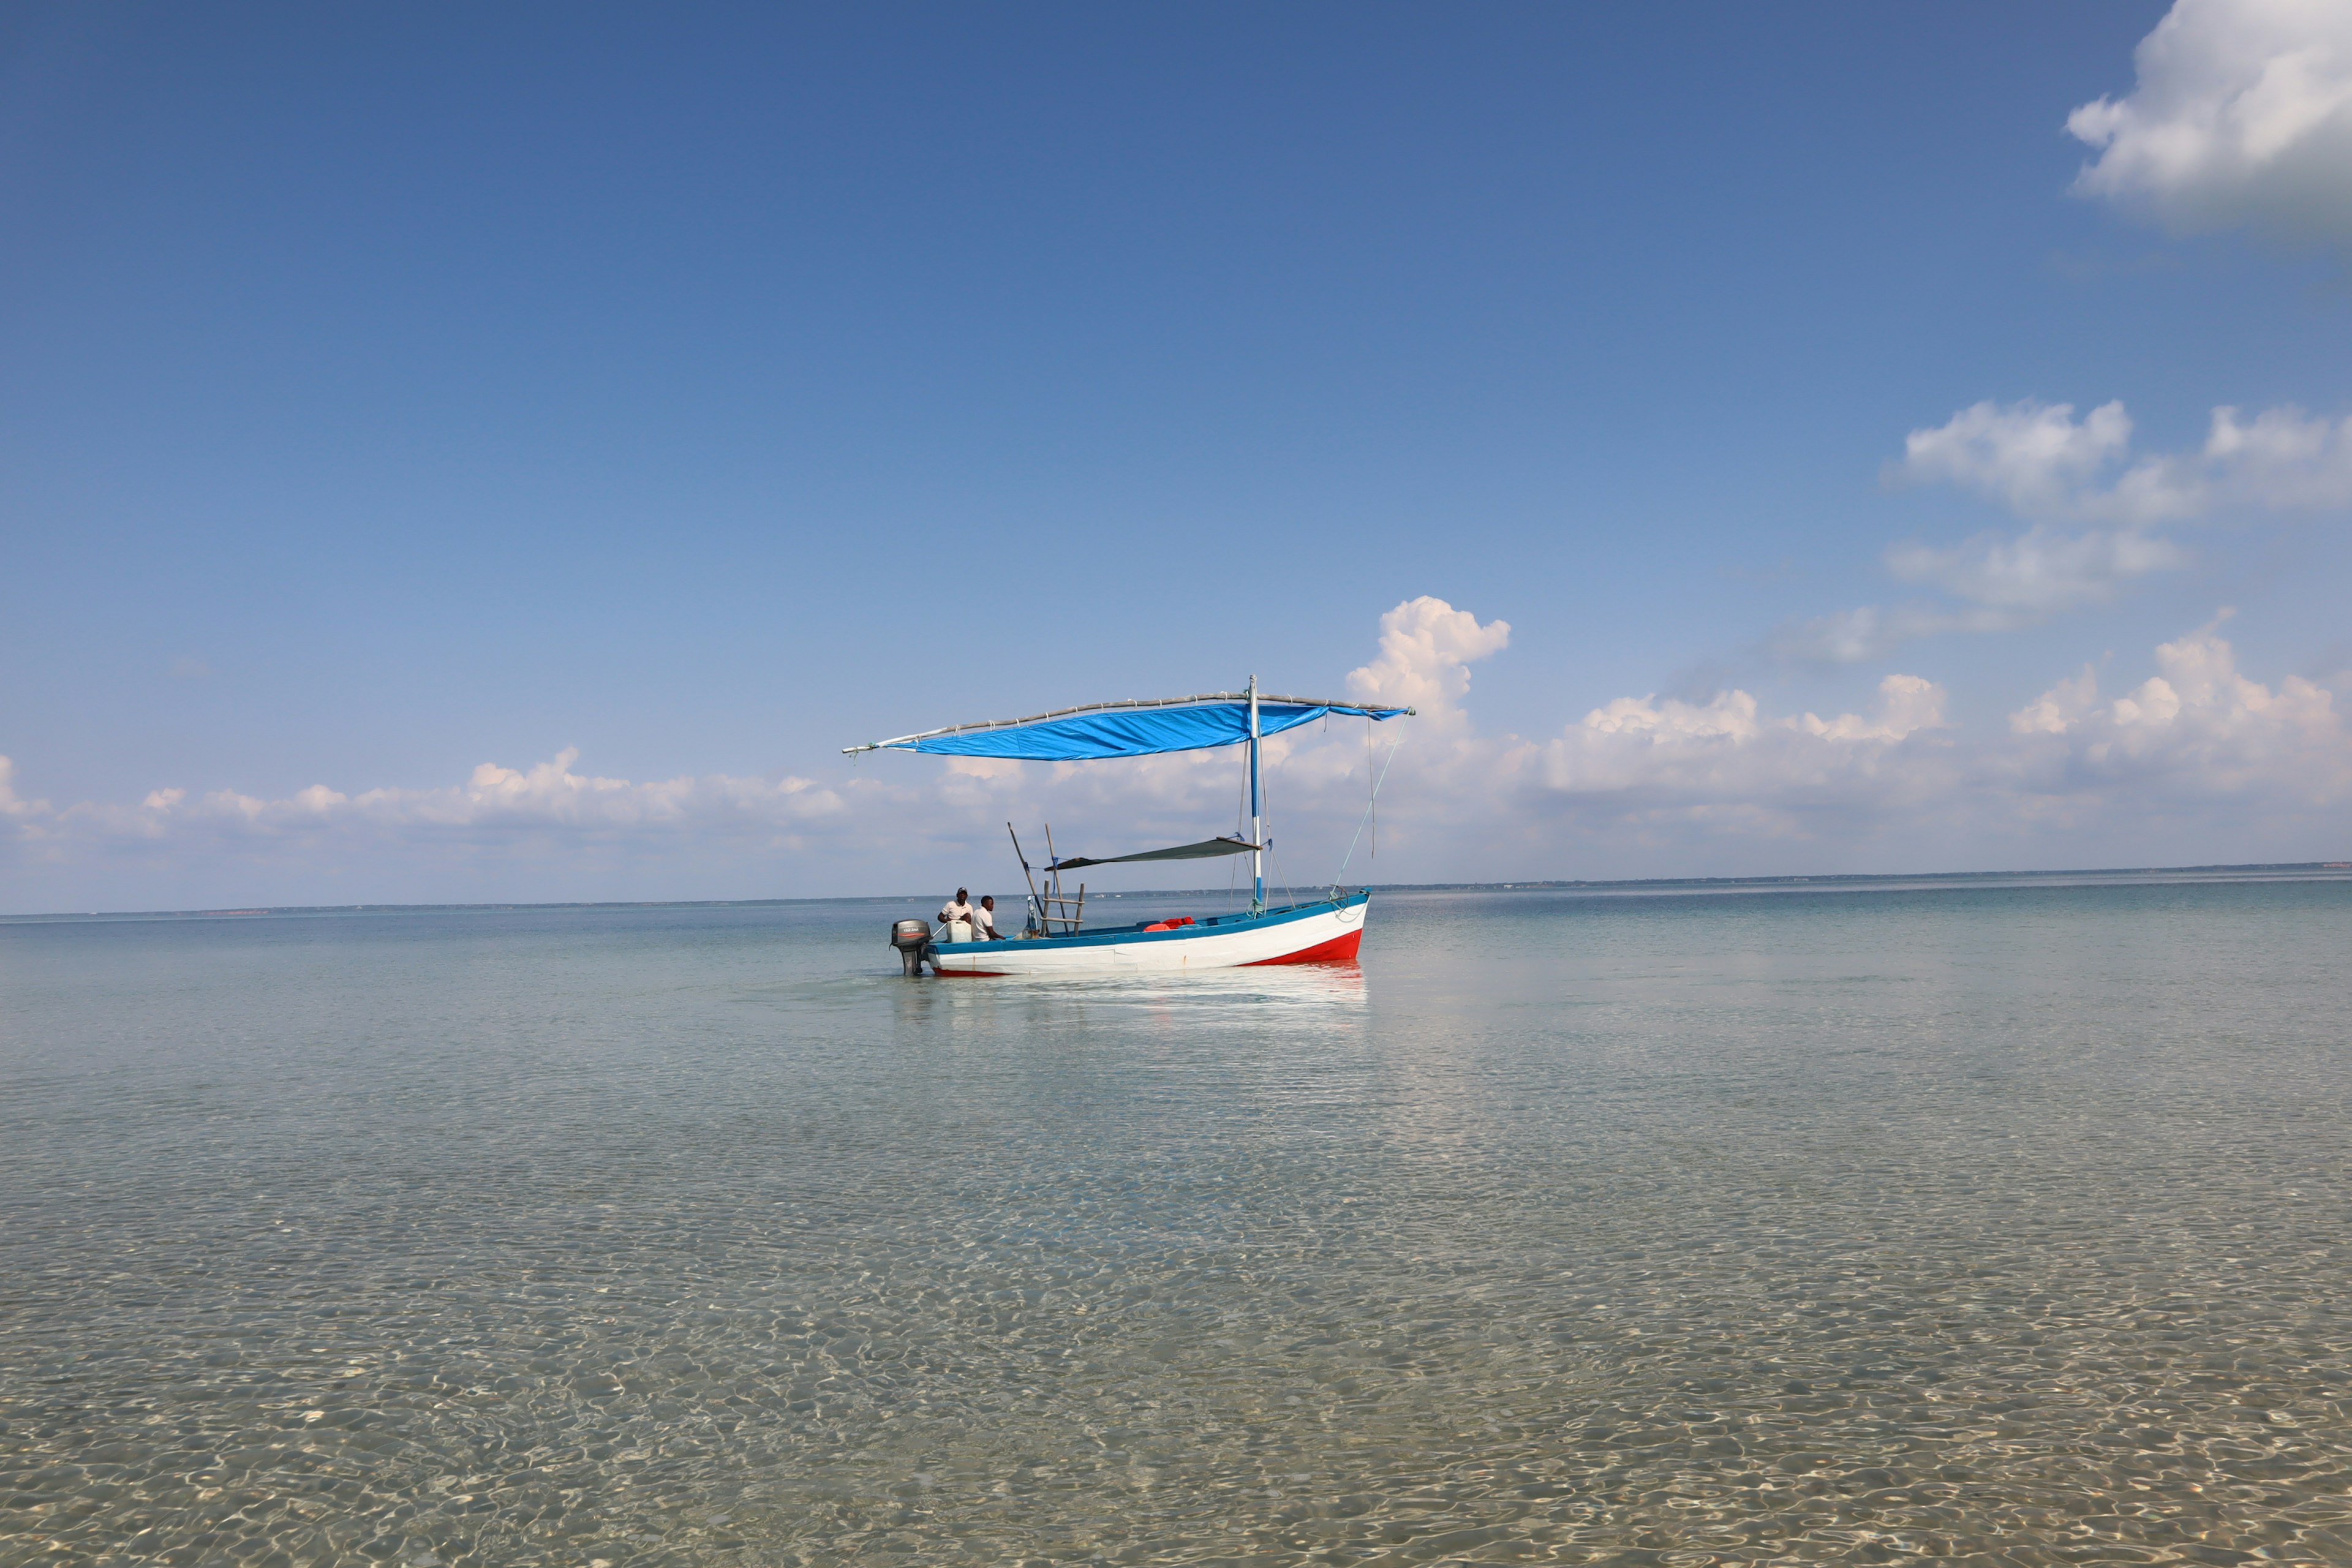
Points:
(2284, 459)
(1426, 647)
(1643, 761)
(2198, 762)
(2060, 708)
(2049, 467)
(2014, 581)
(553, 817)
(2037, 572)
(549, 796)
(2243, 115)
(11, 803)
(2044, 463)
(2005, 582)
(2197, 729)
(2035, 458)
(1871, 632)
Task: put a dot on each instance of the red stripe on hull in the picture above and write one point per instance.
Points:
(1339, 949)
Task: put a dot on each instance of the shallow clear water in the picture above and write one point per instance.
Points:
(2003, 1222)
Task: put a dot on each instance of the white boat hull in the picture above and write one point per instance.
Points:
(1326, 932)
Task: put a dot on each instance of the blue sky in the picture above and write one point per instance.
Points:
(392, 392)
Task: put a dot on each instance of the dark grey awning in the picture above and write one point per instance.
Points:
(1207, 849)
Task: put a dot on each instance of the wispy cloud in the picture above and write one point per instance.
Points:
(2037, 572)
(2005, 582)
(2242, 116)
(2044, 463)
(548, 798)
(2060, 472)
(1871, 632)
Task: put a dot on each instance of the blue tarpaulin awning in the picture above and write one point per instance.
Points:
(1128, 728)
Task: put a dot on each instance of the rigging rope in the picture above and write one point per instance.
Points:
(1367, 807)
(1266, 810)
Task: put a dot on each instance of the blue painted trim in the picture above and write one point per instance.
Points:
(1214, 925)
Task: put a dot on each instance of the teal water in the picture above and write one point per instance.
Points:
(1999, 1223)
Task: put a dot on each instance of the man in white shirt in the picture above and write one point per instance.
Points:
(959, 911)
(983, 920)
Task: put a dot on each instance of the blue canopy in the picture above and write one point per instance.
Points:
(1128, 728)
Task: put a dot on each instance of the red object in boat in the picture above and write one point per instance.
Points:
(1170, 925)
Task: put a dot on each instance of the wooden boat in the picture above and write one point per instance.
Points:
(1055, 941)
(1326, 932)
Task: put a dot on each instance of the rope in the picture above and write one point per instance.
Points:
(1241, 830)
(1266, 808)
(1368, 812)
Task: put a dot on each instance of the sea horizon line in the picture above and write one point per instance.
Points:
(1832, 879)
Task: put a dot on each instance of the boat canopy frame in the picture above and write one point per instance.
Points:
(1265, 716)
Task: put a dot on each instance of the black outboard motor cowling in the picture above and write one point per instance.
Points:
(913, 940)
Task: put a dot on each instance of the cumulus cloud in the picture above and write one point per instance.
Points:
(2169, 769)
(2190, 737)
(2197, 729)
(1426, 648)
(2060, 708)
(1647, 761)
(2198, 761)
(2242, 116)
(2035, 458)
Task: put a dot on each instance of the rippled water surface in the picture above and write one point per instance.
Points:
(2004, 1223)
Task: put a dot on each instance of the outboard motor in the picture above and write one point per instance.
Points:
(913, 940)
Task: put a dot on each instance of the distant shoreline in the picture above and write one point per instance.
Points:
(1853, 880)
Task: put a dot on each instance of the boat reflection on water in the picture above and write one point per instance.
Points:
(1274, 986)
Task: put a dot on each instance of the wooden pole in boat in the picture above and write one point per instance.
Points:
(1035, 903)
(1054, 870)
(1257, 818)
